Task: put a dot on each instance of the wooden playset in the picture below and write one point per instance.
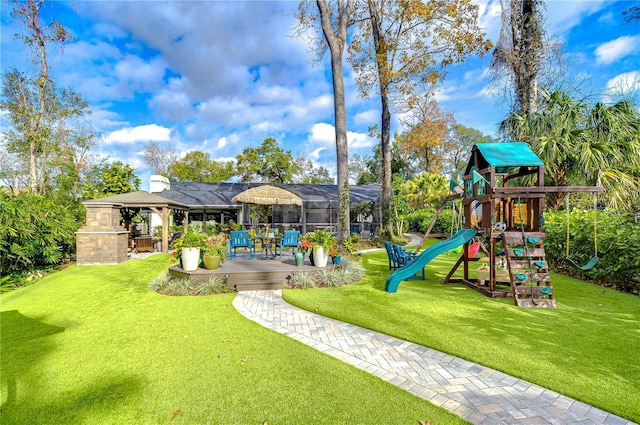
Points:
(503, 199)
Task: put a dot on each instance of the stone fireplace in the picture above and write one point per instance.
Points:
(102, 240)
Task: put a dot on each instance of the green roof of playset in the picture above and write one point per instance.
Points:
(503, 155)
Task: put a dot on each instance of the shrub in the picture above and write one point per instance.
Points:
(215, 285)
(302, 280)
(167, 285)
(350, 272)
(35, 232)
(329, 278)
(353, 272)
(420, 220)
(618, 240)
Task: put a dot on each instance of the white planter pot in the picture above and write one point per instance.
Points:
(320, 256)
(190, 259)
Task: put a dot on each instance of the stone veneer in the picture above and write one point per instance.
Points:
(102, 240)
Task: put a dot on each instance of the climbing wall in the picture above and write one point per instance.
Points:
(528, 269)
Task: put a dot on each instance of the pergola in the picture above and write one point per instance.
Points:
(102, 231)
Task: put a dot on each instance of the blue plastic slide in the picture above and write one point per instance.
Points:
(404, 273)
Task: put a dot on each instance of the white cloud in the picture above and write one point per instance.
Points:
(489, 17)
(613, 50)
(103, 118)
(141, 133)
(139, 75)
(623, 85)
(322, 134)
(315, 154)
(266, 127)
(359, 140)
(324, 101)
(444, 94)
(226, 159)
(368, 117)
(561, 16)
(222, 142)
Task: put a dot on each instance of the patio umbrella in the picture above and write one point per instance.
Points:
(267, 195)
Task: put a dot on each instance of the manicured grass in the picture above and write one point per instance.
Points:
(588, 348)
(93, 345)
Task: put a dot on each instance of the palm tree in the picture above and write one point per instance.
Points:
(583, 144)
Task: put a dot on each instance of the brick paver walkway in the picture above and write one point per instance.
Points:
(474, 392)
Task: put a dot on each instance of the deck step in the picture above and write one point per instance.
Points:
(259, 284)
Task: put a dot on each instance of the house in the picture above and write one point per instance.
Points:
(212, 202)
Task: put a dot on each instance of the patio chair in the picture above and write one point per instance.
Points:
(290, 238)
(405, 257)
(144, 244)
(240, 239)
(393, 261)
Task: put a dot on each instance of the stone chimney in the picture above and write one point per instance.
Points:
(158, 183)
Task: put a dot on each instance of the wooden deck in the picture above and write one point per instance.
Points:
(244, 274)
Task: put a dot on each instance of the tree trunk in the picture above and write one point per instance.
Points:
(336, 42)
(383, 77)
(342, 149)
(527, 43)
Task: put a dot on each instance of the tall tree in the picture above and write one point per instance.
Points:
(583, 144)
(359, 171)
(334, 23)
(367, 169)
(111, 179)
(309, 173)
(427, 139)
(160, 158)
(267, 163)
(463, 138)
(520, 51)
(404, 47)
(424, 191)
(38, 109)
(197, 166)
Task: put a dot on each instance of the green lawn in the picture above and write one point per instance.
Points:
(588, 348)
(93, 345)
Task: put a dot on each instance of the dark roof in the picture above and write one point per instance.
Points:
(138, 199)
(219, 195)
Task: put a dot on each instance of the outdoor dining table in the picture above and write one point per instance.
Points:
(268, 244)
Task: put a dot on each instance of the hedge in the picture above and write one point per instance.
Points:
(419, 221)
(35, 232)
(618, 240)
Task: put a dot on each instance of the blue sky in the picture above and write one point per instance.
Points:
(222, 76)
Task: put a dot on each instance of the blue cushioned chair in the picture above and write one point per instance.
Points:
(290, 238)
(240, 239)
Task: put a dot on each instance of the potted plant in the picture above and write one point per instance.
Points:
(322, 241)
(305, 248)
(187, 249)
(334, 253)
(215, 251)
